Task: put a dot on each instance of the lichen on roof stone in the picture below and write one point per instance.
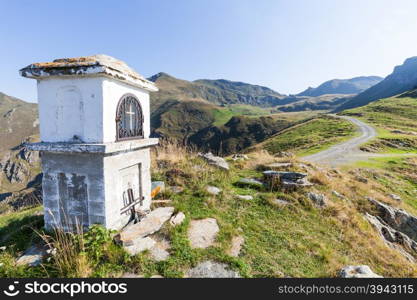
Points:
(87, 65)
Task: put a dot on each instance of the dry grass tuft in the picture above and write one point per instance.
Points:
(70, 259)
(262, 157)
(319, 177)
(171, 153)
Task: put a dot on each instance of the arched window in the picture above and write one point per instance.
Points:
(129, 118)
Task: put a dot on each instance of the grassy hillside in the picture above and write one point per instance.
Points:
(311, 136)
(396, 121)
(237, 134)
(324, 102)
(227, 92)
(296, 240)
(398, 175)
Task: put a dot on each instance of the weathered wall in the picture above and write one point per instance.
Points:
(120, 170)
(71, 106)
(73, 187)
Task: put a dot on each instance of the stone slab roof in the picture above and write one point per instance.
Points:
(88, 66)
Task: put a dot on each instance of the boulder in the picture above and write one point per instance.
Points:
(236, 246)
(236, 157)
(398, 219)
(211, 269)
(250, 182)
(217, 161)
(139, 245)
(212, 190)
(393, 238)
(358, 272)
(33, 256)
(281, 202)
(395, 197)
(151, 223)
(319, 200)
(203, 233)
(177, 219)
(244, 197)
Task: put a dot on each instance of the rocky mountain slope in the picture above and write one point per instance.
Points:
(18, 120)
(219, 92)
(226, 92)
(18, 124)
(342, 86)
(402, 79)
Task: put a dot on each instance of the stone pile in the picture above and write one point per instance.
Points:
(213, 190)
(285, 180)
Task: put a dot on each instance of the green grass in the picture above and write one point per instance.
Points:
(398, 177)
(15, 228)
(299, 240)
(312, 136)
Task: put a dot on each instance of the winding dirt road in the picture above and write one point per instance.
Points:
(346, 152)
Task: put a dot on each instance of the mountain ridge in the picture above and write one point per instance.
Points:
(353, 85)
(402, 79)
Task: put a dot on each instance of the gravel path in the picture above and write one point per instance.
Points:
(347, 152)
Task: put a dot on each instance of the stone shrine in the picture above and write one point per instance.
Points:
(95, 146)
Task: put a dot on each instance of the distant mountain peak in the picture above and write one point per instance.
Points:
(353, 85)
(159, 75)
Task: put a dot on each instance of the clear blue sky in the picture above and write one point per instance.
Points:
(286, 45)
